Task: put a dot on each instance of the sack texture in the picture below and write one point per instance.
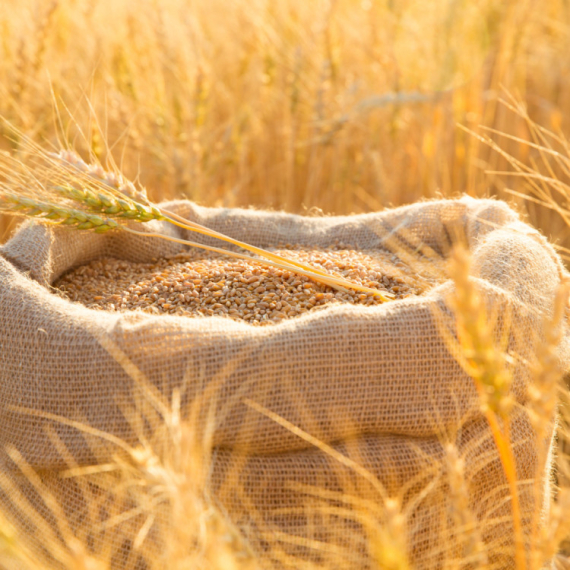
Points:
(377, 384)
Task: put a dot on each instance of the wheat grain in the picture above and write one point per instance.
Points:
(197, 283)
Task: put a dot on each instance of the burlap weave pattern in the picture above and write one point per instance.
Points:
(378, 384)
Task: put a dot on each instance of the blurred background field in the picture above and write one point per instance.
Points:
(337, 106)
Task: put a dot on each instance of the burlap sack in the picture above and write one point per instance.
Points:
(377, 384)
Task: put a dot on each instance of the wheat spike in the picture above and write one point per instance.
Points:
(119, 198)
(54, 213)
(105, 201)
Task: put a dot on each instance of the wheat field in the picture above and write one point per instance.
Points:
(335, 106)
(311, 106)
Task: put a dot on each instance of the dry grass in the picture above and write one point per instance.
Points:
(337, 105)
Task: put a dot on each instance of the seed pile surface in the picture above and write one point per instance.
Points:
(200, 283)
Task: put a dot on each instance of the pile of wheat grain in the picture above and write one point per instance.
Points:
(199, 283)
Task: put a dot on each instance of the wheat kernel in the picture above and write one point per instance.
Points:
(198, 283)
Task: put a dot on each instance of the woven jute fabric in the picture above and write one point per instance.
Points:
(379, 385)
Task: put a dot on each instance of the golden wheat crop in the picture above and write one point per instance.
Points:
(341, 105)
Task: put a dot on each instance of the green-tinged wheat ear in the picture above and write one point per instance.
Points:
(120, 198)
(78, 219)
(119, 203)
(110, 205)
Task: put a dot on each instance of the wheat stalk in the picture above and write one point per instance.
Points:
(62, 188)
(486, 363)
(134, 205)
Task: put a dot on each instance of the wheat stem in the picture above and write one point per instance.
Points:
(329, 280)
(128, 206)
(108, 201)
(84, 220)
(279, 261)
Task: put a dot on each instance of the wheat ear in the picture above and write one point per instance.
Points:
(49, 212)
(487, 364)
(114, 196)
(82, 220)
